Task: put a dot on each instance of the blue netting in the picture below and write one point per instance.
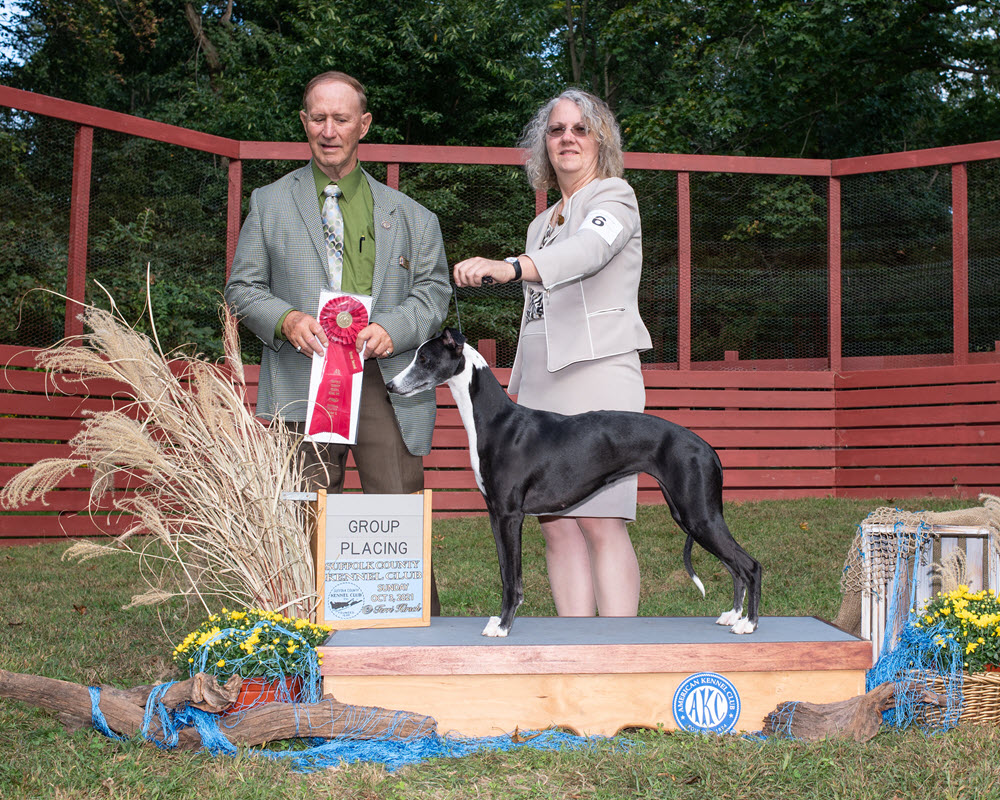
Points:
(362, 734)
(915, 658)
(97, 718)
(389, 749)
(921, 661)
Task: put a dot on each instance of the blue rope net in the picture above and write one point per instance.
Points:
(291, 662)
(915, 658)
(355, 740)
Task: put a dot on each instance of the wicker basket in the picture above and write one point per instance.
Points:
(980, 698)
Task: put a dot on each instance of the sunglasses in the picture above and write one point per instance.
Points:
(557, 131)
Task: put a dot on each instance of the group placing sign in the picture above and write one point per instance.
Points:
(373, 560)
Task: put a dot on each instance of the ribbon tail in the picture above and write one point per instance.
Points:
(332, 413)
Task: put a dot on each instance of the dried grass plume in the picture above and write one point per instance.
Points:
(210, 475)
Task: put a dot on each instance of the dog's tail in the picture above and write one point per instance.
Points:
(687, 565)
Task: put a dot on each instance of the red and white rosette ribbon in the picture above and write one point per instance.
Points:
(342, 319)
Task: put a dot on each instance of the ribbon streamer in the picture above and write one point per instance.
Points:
(342, 320)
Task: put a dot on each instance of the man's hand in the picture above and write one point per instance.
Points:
(305, 333)
(374, 342)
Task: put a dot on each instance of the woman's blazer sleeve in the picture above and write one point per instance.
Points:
(605, 219)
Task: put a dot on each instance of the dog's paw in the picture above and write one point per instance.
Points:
(493, 628)
(729, 618)
(744, 625)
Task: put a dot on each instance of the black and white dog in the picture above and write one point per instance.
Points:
(538, 462)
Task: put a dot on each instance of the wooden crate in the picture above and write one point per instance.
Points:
(982, 572)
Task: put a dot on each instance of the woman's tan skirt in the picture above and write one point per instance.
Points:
(613, 383)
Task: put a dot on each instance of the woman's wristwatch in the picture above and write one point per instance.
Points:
(517, 266)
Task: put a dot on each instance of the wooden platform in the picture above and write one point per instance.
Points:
(591, 676)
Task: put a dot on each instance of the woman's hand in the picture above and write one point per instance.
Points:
(477, 271)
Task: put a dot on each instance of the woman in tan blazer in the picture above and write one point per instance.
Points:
(581, 332)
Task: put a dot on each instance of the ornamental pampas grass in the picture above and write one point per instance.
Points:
(211, 503)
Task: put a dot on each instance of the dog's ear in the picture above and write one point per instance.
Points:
(453, 339)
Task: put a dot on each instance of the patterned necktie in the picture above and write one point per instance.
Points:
(333, 232)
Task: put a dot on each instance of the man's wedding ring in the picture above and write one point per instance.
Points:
(299, 348)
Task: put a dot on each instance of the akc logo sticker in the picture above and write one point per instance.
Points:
(706, 702)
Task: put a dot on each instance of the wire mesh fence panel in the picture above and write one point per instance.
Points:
(656, 193)
(484, 211)
(759, 253)
(36, 178)
(984, 256)
(759, 268)
(897, 268)
(161, 208)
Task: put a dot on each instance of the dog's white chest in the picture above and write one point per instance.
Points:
(464, 403)
(459, 385)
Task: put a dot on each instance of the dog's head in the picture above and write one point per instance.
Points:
(436, 361)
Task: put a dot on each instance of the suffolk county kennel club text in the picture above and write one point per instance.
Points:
(374, 571)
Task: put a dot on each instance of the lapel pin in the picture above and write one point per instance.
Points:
(386, 224)
(404, 262)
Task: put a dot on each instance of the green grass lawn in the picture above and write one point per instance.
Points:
(64, 620)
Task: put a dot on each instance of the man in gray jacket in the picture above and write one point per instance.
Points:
(391, 249)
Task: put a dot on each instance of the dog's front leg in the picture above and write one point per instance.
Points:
(507, 533)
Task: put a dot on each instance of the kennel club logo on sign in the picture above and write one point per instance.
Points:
(374, 567)
(706, 702)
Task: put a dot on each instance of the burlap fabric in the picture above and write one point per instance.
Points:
(904, 527)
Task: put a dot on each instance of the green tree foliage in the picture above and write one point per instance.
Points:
(824, 78)
(810, 78)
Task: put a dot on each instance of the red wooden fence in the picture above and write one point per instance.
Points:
(887, 433)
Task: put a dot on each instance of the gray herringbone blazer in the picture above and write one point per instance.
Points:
(280, 264)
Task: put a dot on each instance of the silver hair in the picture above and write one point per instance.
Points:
(599, 120)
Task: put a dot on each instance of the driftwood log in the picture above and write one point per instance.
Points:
(123, 710)
(858, 718)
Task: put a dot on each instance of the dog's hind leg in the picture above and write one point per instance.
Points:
(507, 533)
(746, 573)
(703, 522)
(713, 534)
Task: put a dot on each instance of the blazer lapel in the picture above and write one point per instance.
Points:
(385, 220)
(536, 231)
(304, 194)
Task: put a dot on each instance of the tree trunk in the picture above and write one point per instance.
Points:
(857, 718)
(204, 43)
(123, 710)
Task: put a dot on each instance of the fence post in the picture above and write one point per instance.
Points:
(683, 270)
(541, 201)
(392, 176)
(79, 220)
(960, 263)
(234, 210)
(835, 342)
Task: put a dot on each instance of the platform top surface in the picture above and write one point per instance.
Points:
(555, 631)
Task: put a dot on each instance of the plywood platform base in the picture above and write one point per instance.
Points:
(591, 676)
